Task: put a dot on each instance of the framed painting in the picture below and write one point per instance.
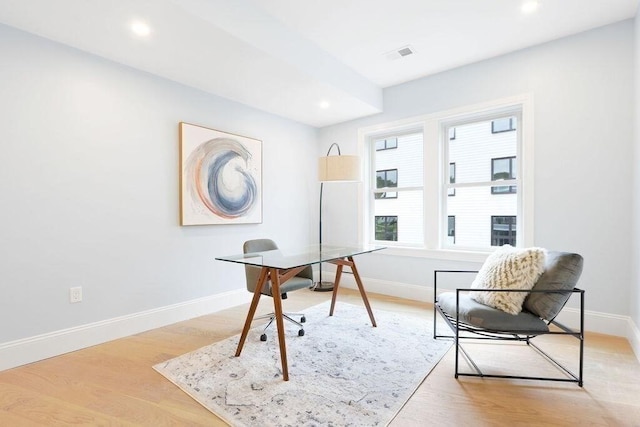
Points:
(220, 177)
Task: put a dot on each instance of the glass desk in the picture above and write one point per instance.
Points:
(279, 266)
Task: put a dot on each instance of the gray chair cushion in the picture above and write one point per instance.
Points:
(561, 272)
(483, 316)
(295, 283)
(292, 284)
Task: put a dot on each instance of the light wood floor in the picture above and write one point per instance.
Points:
(114, 384)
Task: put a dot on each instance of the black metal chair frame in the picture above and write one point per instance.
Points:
(476, 333)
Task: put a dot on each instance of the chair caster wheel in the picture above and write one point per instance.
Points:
(303, 319)
(263, 337)
(301, 333)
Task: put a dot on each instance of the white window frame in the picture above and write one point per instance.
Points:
(434, 128)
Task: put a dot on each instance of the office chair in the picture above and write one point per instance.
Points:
(304, 279)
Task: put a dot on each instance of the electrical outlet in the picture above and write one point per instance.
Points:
(75, 294)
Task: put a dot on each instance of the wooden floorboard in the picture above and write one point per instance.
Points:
(114, 383)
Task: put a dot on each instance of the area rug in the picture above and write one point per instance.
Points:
(342, 372)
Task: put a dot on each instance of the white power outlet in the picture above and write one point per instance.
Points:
(75, 294)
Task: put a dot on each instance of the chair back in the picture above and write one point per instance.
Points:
(252, 273)
(561, 273)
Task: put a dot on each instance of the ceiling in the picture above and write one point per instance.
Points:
(289, 56)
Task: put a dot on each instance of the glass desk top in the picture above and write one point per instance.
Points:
(285, 259)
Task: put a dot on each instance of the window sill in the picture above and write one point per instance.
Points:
(441, 254)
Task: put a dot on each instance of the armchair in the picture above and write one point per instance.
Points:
(469, 319)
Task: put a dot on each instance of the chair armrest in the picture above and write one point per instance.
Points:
(435, 279)
(435, 292)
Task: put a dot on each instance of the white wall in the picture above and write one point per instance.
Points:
(583, 153)
(89, 189)
(635, 280)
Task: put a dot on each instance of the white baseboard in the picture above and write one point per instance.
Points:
(634, 338)
(604, 323)
(32, 349)
(594, 321)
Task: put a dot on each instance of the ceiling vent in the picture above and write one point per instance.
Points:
(400, 53)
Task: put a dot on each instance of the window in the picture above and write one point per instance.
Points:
(451, 228)
(452, 179)
(503, 169)
(387, 179)
(481, 158)
(387, 228)
(503, 230)
(506, 124)
(386, 144)
(400, 169)
(480, 163)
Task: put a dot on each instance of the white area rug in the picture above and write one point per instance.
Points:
(342, 372)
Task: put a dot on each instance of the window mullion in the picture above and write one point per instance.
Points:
(431, 176)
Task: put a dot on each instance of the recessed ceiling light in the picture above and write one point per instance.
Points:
(324, 105)
(530, 6)
(140, 28)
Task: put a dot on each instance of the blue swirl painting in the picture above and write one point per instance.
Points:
(221, 177)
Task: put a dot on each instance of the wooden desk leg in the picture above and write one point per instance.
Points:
(362, 291)
(336, 284)
(252, 309)
(277, 303)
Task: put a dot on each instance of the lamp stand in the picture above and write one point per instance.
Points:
(320, 285)
(334, 169)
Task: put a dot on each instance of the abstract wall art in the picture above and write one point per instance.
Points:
(220, 177)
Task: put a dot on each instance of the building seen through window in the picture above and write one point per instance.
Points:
(397, 216)
(503, 230)
(451, 228)
(386, 144)
(505, 124)
(452, 179)
(483, 152)
(387, 228)
(503, 169)
(386, 179)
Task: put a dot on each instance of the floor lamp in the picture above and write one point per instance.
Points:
(334, 169)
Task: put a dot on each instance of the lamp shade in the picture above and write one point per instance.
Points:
(339, 168)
